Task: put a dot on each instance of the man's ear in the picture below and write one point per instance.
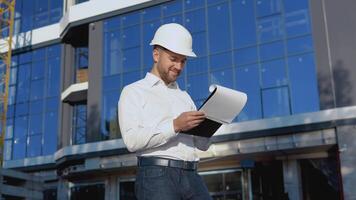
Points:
(155, 55)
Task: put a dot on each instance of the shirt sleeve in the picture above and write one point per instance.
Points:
(135, 134)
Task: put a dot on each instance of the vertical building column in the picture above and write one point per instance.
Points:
(292, 179)
(346, 136)
(94, 81)
(63, 189)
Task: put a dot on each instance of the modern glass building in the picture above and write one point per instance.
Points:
(295, 139)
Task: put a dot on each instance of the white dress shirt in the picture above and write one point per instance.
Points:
(147, 109)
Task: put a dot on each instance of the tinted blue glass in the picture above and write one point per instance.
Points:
(292, 5)
(36, 107)
(152, 13)
(8, 149)
(172, 8)
(243, 23)
(245, 56)
(131, 37)
(55, 10)
(113, 63)
(37, 89)
(219, 61)
(189, 4)
(10, 111)
(272, 50)
(270, 28)
(14, 60)
(54, 50)
(173, 19)
(130, 77)
(248, 81)
(112, 23)
(53, 77)
(112, 83)
(222, 77)
(19, 148)
(112, 40)
(148, 30)
(219, 28)
(110, 100)
(297, 23)
(50, 133)
(130, 19)
(199, 44)
(13, 75)
(21, 109)
(41, 13)
(273, 73)
(35, 124)
(195, 20)
(197, 65)
(12, 93)
(197, 86)
(23, 91)
(21, 125)
(268, 7)
(81, 57)
(211, 2)
(27, 16)
(131, 59)
(275, 102)
(38, 70)
(181, 82)
(303, 84)
(34, 145)
(9, 129)
(25, 58)
(300, 45)
(52, 104)
(39, 54)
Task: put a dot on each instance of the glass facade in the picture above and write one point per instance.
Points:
(261, 47)
(36, 13)
(32, 117)
(79, 128)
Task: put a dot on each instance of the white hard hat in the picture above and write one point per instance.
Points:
(175, 38)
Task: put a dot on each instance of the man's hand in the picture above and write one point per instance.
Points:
(188, 120)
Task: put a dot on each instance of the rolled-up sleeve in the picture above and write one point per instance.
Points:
(138, 136)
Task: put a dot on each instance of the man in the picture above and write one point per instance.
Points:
(152, 112)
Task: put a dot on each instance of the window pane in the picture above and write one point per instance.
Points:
(275, 102)
(36, 107)
(52, 104)
(219, 61)
(34, 145)
(195, 21)
(172, 8)
(245, 56)
(173, 19)
(112, 23)
(303, 83)
(273, 73)
(248, 81)
(270, 28)
(197, 86)
(131, 37)
(189, 4)
(50, 133)
(152, 13)
(37, 89)
(56, 10)
(112, 83)
(243, 23)
(130, 77)
(13, 75)
(219, 28)
(112, 64)
(8, 150)
(109, 124)
(300, 45)
(272, 50)
(223, 78)
(41, 13)
(297, 23)
(148, 31)
(21, 109)
(9, 129)
(53, 77)
(131, 59)
(38, 70)
(130, 19)
(199, 44)
(268, 7)
(35, 124)
(196, 65)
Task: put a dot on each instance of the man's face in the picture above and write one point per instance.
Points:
(169, 65)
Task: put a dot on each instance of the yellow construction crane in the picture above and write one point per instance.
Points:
(7, 12)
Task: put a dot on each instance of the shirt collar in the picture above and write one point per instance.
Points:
(153, 80)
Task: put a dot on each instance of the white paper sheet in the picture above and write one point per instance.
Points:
(223, 104)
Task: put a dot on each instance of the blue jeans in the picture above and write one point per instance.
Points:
(168, 183)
